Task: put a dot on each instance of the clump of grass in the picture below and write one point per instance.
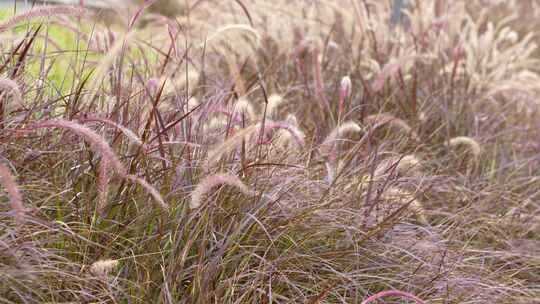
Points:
(275, 178)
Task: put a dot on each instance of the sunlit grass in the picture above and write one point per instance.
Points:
(270, 152)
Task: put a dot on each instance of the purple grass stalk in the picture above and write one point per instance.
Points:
(42, 11)
(393, 293)
(7, 180)
(138, 13)
(297, 55)
(317, 74)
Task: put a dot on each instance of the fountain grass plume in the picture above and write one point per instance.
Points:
(209, 182)
(389, 70)
(344, 94)
(318, 79)
(233, 27)
(150, 189)
(328, 146)
(42, 11)
(284, 138)
(127, 132)
(382, 119)
(243, 106)
(404, 197)
(7, 180)
(97, 143)
(215, 154)
(274, 101)
(102, 268)
(230, 144)
(9, 84)
(403, 165)
(294, 131)
(472, 145)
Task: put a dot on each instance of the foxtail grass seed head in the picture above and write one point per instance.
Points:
(344, 93)
(103, 268)
(383, 119)
(41, 11)
(244, 109)
(150, 189)
(216, 153)
(274, 101)
(328, 145)
(401, 197)
(472, 145)
(9, 84)
(97, 143)
(127, 132)
(7, 180)
(403, 165)
(209, 182)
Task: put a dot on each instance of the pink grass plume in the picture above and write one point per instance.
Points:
(344, 94)
(7, 180)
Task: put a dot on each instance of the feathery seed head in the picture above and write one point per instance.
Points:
(7, 180)
(329, 143)
(472, 145)
(102, 268)
(274, 101)
(209, 182)
(346, 86)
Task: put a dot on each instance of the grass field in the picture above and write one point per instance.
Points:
(253, 151)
